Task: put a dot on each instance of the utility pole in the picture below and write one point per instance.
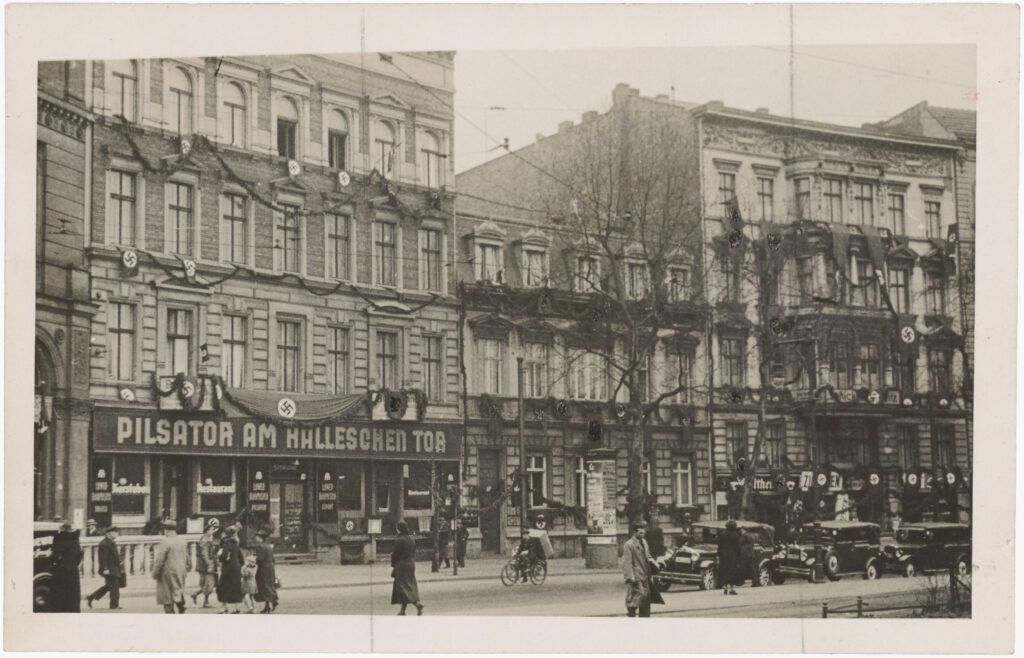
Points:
(523, 481)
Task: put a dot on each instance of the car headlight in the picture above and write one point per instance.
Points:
(898, 552)
(809, 561)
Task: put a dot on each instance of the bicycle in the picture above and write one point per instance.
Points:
(511, 573)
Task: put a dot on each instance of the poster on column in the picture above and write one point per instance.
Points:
(600, 492)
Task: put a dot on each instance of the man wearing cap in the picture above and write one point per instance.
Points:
(169, 565)
(266, 578)
(637, 567)
(206, 565)
(111, 569)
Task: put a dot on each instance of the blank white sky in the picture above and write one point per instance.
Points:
(848, 85)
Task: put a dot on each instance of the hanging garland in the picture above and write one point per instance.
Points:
(395, 403)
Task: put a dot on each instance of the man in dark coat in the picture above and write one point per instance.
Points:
(111, 569)
(265, 575)
(748, 557)
(206, 563)
(67, 555)
(229, 586)
(461, 539)
(730, 565)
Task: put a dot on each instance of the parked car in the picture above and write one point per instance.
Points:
(847, 547)
(43, 533)
(921, 547)
(696, 561)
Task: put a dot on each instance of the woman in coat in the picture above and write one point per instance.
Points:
(229, 587)
(67, 555)
(169, 567)
(266, 578)
(730, 564)
(403, 570)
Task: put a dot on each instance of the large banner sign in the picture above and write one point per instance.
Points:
(153, 432)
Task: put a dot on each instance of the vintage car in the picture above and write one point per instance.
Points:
(696, 561)
(43, 533)
(847, 547)
(921, 547)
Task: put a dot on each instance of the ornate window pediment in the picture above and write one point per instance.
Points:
(490, 327)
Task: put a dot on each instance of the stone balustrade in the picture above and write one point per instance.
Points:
(137, 554)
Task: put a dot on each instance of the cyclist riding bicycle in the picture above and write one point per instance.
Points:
(526, 554)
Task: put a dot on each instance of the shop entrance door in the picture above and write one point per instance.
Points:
(287, 505)
(490, 492)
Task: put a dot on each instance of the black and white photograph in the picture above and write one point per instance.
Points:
(669, 329)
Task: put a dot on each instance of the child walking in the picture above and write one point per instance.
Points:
(249, 583)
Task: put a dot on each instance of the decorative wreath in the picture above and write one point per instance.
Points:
(561, 409)
(395, 403)
(489, 407)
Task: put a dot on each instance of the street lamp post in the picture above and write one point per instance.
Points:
(523, 482)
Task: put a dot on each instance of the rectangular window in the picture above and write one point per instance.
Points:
(898, 214)
(287, 238)
(682, 482)
(933, 219)
(678, 369)
(121, 341)
(430, 259)
(535, 367)
(288, 354)
(909, 448)
(432, 376)
(731, 276)
(432, 168)
(579, 480)
(349, 476)
(122, 201)
(945, 446)
(636, 280)
(128, 477)
(735, 442)
(385, 250)
(904, 373)
(537, 475)
(179, 340)
(336, 149)
(535, 271)
(834, 200)
(805, 278)
(726, 190)
(678, 284)
(216, 487)
(179, 210)
(588, 274)
(490, 356)
(337, 360)
(586, 376)
(387, 359)
(491, 264)
(236, 222)
(939, 370)
(286, 130)
(732, 361)
(235, 120)
(385, 153)
(935, 293)
(125, 89)
(802, 190)
(864, 201)
(870, 366)
(766, 198)
(338, 246)
(899, 289)
(866, 292)
(775, 446)
(840, 365)
(233, 352)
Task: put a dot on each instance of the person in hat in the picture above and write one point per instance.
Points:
(206, 563)
(169, 569)
(229, 586)
(730, 560)
(637, 566)
(266, 577)
(67, 555)
(90, 528)
(111, 568)
(461, 540)
(403, 569)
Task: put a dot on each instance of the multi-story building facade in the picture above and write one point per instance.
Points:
(275, 332)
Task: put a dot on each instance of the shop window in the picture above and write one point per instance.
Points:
(337, 139)
(130, 489)
(233, 351)
(287, 239)
(870, 366)
(945, 447)
(216, 487)
(537, 474)
(121, 341)
(732, 361)
(939, 371)
(383, 497)
(288, 354)
(682, 482)
(833, 193)
(587, 376)
(349, 476)
(430, 260)
(490, 356)
(337, 360)
(909, 449)
(180, 87)
(418, 486)
(432, 373)
(766, 198)
(179, 340)
(387, 359)
(385, 247)
(338, 245)
(234, 228)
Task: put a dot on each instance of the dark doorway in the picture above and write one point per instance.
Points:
(490, 493)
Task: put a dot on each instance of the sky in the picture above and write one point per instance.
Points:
(517, 94)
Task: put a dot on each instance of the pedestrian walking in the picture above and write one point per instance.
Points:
(461, 540)
(443, 538)
(266, 576)
(229, 586)
(90, 528)
(67, 555)
(403, 570)
(111, 568)
(206, 563)
(730, 563)
(169, 566)
(748, 558)
(249, 588)
(637, 567)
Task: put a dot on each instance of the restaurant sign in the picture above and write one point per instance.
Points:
(155, 432)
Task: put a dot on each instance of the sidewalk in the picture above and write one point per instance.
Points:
(307, 576)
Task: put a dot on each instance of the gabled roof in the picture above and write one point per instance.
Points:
(923, 120)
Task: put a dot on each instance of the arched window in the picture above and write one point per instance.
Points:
(122, 94)
(287, 126)
(337, 139)
(385, 151)
(234, 115)
(179, 118)
(431, 169)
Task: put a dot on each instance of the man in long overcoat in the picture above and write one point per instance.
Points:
(637, 567)
(266, 577)
(206, 563)
(67, 555)
(169, 568)
(110, 568)
(730, 562)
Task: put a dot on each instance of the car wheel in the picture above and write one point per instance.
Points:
(708, 580)
(662, 584)
(778, 577)
(871, 571)
(764, 576)
(962, 568)
(42, 597)
(832, 566)
(910, 570)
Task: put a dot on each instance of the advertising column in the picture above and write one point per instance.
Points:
(602, 548)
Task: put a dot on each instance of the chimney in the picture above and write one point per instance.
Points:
(589, 116)
(620, 94)
(762, 110)
(564, 125)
